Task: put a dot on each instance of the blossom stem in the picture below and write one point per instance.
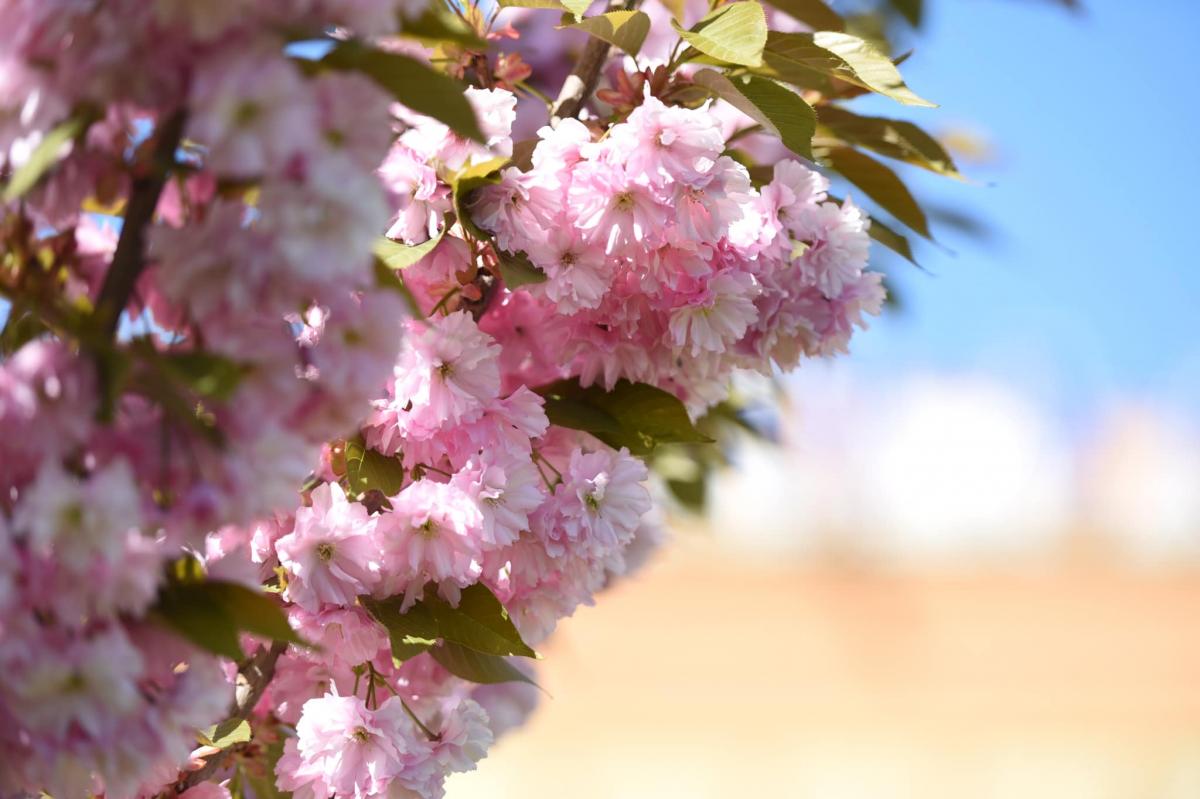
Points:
(538, 460)
(580, 84)
(258, 673)
(433, 736)
(371, 675)
(535, 92)
(129, 259)
(442, 302)
(429, 468)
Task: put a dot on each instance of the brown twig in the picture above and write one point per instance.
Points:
(258, 673)
(580, 84)
(129, 258)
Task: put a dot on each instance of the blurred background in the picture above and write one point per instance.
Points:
(971, 567)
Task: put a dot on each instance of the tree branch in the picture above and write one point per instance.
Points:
(129, 257)
(580, 84)
(258, 673)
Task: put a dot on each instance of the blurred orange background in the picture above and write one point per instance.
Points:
(828, 635)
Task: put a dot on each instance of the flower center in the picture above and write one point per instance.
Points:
(325, 551)
(427, 530)
(246, 113)
(71, 515)
(623, 201)
(361, 735)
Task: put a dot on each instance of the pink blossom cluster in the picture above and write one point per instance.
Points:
(662, 264)
(492, 494)
(113, 461)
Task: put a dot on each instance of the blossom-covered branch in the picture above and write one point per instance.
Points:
(336, 352)
(579, 85)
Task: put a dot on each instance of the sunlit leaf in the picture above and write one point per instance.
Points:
(411, 82)
(734, 33)
(398, 255)
(49, 150)
(813, 13)
(892, 240)
(227, 733)
(575, 7)
(437, 25)
(894, 138)
(778, 109)
(911, 10)
(624, 29)
(476, 666)
(213, 613)
(368, 469)
(517, 270)
(467, 181)
(880, 184)
(479, 622)
(633, 415)
(808, 59)
(410, 632)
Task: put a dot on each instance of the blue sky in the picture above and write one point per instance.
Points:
(1087, 289)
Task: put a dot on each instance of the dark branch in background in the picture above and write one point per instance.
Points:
(258, 673)
(580, 84)
(129, 259)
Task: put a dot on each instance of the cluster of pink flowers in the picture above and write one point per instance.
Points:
(662, 264)
(96, 698)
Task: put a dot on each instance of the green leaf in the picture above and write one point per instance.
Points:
(625, 29)
(691, 494)
(574, 7)
(23, 325)
(208, 627)
(438, 25)
(410, 632)
(813, 13)
(212, 613)
(577, 7)
(465, 182)
(894, 138)
(398, 255)
(779, 110)
(253, 611)
(227, 733)
(809, 59)
(476, 666)
(368, 469)
(209, 375)
(633, 415)
(479, 622)
(892, 240)
(911, 10)
(517, 270)
(880, 184)
(413, 83)
(734, 33)
(576, 415)
(49, 150)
